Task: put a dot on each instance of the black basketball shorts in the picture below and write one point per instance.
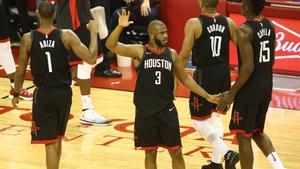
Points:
(248, 118)
(158, 130)
(50, 113)
(213, 79)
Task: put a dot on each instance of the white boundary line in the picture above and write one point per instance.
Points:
(288, 57)
(287, 29)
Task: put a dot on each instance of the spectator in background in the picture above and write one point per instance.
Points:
(104, 69)
(142, 12)
(6, 57)
(77, 21)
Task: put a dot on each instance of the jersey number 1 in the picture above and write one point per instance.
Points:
(215, 45)
(49, 61)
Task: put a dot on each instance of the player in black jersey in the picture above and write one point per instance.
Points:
(156, 120)
(48, 49)
(208, 37)
(253, 89)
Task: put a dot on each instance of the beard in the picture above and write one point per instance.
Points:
(159, 43)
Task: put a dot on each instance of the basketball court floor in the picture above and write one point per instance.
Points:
(112, 147)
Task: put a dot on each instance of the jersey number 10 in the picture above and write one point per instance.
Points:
(215, 45)
(264, 54)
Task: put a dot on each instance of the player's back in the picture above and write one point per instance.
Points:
(210, 54)
(49, 59)
(259, 85)
(212, 47)
(155, 82)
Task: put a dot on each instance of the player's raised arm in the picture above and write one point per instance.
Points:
(134, 51)
(73, 43)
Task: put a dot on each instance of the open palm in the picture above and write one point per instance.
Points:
(124, 18)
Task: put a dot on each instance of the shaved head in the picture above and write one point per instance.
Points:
(154, 25)
(46, 10)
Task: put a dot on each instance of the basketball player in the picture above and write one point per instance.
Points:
(252, 90)
(6, 57)
(75, 14)
(208, 37)
(156, 121)
(48, 48)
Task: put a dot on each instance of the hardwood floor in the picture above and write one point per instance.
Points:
(111, 147)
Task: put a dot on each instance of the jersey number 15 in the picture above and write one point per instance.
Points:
(264, 54)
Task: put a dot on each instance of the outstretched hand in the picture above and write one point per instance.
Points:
(124, 18)
(225, 100)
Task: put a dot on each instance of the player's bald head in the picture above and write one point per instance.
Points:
(46, 10)
(209, 3)
(153, 26)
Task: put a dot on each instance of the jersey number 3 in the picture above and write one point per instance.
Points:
(49, 61)
(215, 42)
(158, 77)
(264, 54)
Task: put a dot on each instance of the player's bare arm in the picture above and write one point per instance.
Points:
(192, 31)
(232, 29)
(72, 42)
(244, 38)
(21, 69)
(188, 81)
(134, 51)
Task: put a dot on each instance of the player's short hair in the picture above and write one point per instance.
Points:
(153, 24)
(257, 6)
(210, 3)
(46, 10)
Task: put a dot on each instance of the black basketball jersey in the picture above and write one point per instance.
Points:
(258, 88)
(155, 82)
(212, 47)
(49, 59)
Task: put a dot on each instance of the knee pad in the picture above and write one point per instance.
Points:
(6, 58)
(204, 128)
(98, 14)
(84, 71)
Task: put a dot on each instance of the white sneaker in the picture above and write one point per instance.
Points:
(90, 116)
